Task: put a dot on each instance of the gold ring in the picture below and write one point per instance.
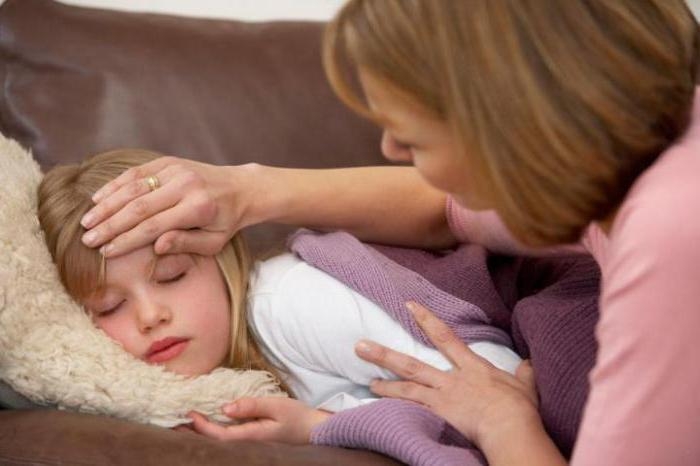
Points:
(152, 182)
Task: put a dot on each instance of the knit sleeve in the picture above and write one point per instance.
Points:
(401, 429)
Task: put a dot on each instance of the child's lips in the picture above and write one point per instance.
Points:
(166, 349)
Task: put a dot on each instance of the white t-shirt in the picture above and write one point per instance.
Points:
(308, 323)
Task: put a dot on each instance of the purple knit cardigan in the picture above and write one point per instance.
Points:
(546, 308)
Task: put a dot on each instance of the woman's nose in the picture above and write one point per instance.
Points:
(393, 150)
(151, 314)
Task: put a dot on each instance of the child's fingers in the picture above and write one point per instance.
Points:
(202, 425)
(184, 428)
(264, 429)
(266, 407)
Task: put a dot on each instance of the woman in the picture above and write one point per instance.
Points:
(536, 124)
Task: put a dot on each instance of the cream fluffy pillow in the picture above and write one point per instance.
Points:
(51, 353)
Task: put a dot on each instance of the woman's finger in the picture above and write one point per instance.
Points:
(132, 174)
(126, 217)
(127, 193)
(114, 202)
(195, 241)
(403, 389)
(189, 214)
(401, 364)
(526, 374)
(443, 337)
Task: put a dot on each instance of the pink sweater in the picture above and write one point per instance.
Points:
(644, 404)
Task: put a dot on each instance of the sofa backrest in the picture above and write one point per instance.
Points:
(77, 81)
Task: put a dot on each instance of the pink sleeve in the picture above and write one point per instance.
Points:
(487, 229)
(644, 404)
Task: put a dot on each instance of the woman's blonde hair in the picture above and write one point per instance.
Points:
(65, 196)
(559, 105)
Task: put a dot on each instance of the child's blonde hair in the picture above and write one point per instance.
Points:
(559, 104)
(65, 196)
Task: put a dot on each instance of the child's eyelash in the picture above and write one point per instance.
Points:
(109, 311)
(173, 279)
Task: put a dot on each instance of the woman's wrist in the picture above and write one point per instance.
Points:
(522, 440)
(254, 192)
(289, 196)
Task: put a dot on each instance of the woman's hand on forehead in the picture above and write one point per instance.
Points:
(179, 205)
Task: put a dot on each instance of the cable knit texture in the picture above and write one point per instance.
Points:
(548, 305)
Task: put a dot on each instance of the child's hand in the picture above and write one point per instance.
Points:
(275, 419)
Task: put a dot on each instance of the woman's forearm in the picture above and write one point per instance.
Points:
(379, 204)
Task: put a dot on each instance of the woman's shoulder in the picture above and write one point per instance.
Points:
(653, 249)
(649, 317)
(660, 214)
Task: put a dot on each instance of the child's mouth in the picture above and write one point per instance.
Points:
(166, 349)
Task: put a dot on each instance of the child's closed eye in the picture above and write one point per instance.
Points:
(172, 279)
(109, 311)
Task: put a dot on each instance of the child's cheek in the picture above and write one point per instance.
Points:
(118, 329)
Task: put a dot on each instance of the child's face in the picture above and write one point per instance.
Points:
(178, 317)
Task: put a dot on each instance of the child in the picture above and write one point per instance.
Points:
(192, 314)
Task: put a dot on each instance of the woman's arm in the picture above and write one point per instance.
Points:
(198, 207)
(392, 205)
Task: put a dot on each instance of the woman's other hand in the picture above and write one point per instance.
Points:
(269, 419)
(486, 404)
(188, 207)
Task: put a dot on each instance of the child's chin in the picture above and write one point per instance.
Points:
(185, 371)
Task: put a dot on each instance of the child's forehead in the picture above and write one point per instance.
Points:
(143, 259)
(136, 261)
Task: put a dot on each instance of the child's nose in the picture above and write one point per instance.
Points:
(151, 314)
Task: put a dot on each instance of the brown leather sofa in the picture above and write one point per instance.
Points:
(77, 81)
